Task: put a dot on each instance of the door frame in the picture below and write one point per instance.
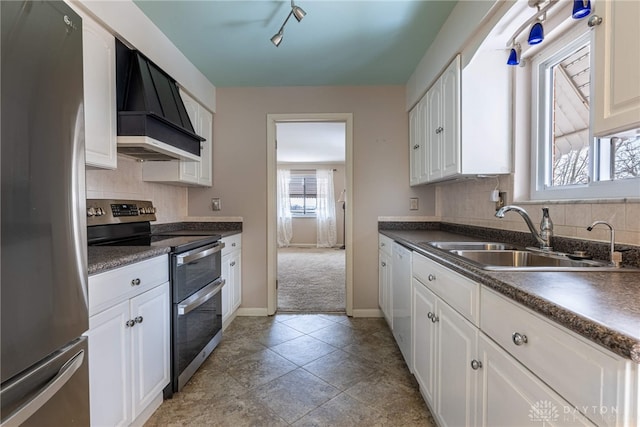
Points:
(272, 224)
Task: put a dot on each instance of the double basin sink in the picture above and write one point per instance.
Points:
(505, 257)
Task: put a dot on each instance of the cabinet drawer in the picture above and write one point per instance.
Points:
(232, 243)
(582, 373)
(458, 291)
(385, 243)
(108, 288)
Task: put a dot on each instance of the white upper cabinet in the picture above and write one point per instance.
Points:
(465, 129)
(185, 172)
(617, 55)
(99, 69)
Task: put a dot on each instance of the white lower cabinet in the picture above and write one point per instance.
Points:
(129, 342)
(444, 344)
(510, 395)
(232, 274)
(384, 278)
(401, 300)
(482, 359)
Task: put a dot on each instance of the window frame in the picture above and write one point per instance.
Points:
(541, 127)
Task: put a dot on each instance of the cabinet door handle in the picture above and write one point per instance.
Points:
(130, 323)
(476, 364)
(138, 319)
(519, 339)
(431, 277)
(135, 282)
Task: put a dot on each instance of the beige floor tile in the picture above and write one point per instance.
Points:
(303, 350)
(295, 394)
(340, 369)
(307, 323)
(259, 368)
(343, 410)
(302, 370)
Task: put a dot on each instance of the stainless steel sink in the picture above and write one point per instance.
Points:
(463, 246)
(526, 260)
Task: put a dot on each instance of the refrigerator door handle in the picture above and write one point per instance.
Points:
(50, 389)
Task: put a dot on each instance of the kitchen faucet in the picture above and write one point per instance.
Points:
(614, 257)
(546, 227)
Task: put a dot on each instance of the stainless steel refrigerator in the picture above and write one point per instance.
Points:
(44, 275)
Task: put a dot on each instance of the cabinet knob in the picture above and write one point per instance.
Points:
(476, 364)
(233, 263)
(594, 21)
(415, 147)
(431, 277)
(135, 282)
(384, 264)
(429, 315)
(130, 323)
(435, 319)
(138, 319)
(519, 339)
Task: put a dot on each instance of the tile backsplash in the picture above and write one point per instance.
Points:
(126, 183)
(467, 202)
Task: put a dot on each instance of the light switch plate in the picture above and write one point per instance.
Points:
(215, 204)
(413, 204)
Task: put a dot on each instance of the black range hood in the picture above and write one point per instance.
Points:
(153, 123)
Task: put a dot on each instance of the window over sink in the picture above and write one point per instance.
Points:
(567, 161)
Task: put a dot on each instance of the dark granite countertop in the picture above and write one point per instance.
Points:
(103, 258)
(604, 307)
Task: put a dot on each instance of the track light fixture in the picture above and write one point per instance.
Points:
(298, 13)
(581, 8)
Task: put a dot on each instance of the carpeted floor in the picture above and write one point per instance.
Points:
(311, 280)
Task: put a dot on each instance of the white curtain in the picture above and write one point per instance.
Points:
(325, 209)
(285, 232)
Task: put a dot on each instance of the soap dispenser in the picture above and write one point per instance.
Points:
(546, 228)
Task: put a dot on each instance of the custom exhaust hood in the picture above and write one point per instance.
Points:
(153, 124)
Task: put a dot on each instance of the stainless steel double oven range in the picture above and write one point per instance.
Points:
(195, 263)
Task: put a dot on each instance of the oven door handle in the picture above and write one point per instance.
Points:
(186, 259)
(200, 297)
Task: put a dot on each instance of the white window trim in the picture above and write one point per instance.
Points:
(594, 190)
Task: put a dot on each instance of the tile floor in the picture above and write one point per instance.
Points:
(300, 370)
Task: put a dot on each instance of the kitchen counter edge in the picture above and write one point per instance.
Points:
(506, 284)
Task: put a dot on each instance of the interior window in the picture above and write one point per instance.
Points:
(568, 161)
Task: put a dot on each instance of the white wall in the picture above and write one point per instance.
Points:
(380, 172)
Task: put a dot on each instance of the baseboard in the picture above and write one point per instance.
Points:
(367, 312)
(148, 411)
(252, 312)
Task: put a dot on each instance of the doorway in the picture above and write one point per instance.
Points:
(345, 216)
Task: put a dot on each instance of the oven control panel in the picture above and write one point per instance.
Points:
(109, 211)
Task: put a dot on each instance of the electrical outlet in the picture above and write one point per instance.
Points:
(413, 204)
(215, 204)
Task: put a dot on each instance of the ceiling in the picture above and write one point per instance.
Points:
(346, 42)
(311, 142)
